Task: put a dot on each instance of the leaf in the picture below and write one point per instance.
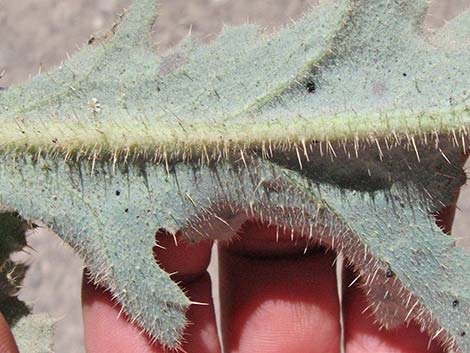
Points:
(211, 94)
(409, 267)
(33, 332)
(348, 126)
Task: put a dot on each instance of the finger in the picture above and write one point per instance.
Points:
(188, 263)
(201, 335)
(106, 329)
(185, 261)
(106, 332)
(287, 303)
(7, 342)
(363, 336)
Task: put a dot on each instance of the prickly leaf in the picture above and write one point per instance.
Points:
(347, 126)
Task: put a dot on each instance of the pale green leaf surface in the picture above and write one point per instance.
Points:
(347, 126)
(211, 94)
(33, 332)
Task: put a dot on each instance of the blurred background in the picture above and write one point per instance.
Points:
(37, 34)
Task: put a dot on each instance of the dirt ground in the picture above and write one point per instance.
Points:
(36, 35)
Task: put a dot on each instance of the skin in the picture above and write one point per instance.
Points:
(274, 298)
(7, 342)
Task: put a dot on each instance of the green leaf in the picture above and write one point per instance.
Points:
(347, 125)
(411, 269)
(33, 332)
(403, 84)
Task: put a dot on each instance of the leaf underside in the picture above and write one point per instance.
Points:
(347, 126)
(33, 332)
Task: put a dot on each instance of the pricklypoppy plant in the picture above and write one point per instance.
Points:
(348, 126)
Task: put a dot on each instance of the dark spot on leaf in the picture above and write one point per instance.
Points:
(405, 74)
(463, 333)
(310, 86)
(91, 40)
(118, 193)
(455, 303)
(126, 210)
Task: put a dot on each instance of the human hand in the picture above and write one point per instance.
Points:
(274, 298)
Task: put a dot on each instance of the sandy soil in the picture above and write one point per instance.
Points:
(37, 35)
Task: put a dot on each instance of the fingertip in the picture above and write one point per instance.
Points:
(278, 305)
